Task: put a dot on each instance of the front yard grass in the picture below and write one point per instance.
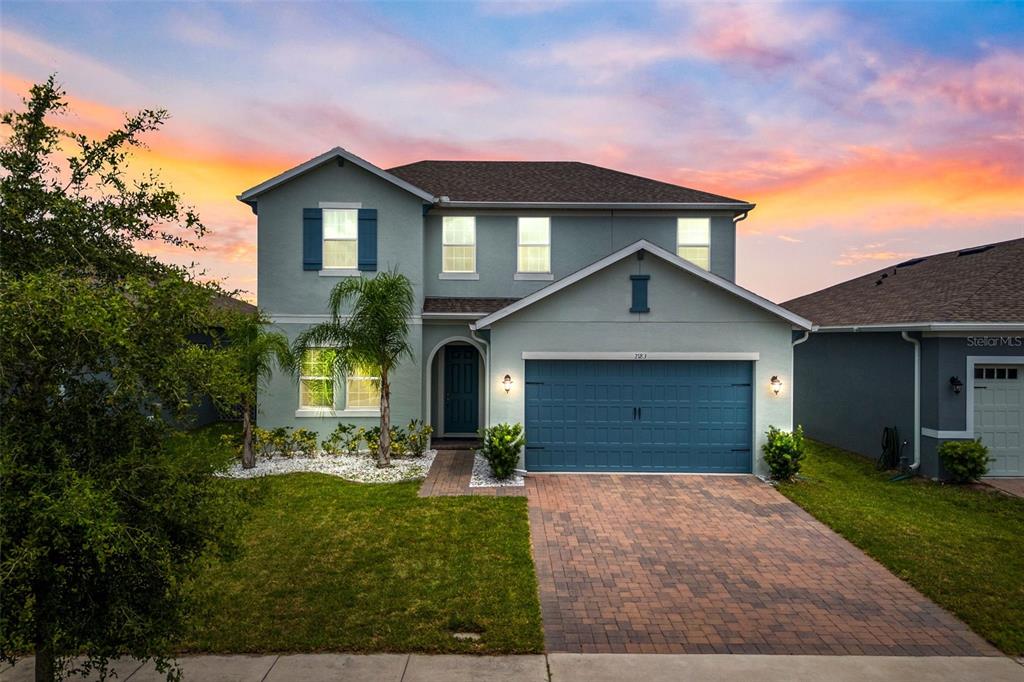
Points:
(963, 548)
(329, 565)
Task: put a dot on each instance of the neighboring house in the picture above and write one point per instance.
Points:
(596, 307)
(933, 346)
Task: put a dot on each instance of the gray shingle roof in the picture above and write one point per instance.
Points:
(446, 304)
(978, 284)
(545, 181)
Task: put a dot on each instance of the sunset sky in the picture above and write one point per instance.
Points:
(866, 133)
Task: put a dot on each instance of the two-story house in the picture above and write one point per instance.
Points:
(596, 307)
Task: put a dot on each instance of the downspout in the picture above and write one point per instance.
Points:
(487, 375)
(792, 389)
(917, 400)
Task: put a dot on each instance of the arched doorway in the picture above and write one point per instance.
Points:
(456, 388)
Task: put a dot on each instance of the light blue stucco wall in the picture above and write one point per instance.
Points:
(283, 286)
(577, 239)
(687, 315)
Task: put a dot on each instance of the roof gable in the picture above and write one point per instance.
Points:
(249, 196)
(654, 250)
(983, 284)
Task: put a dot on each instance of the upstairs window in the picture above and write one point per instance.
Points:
(458, 244)
(341, 237)
(316, 378)
(693, 241)
(362, 390)
(534, 253)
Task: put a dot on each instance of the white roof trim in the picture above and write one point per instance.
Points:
(925, 327)
(644, 245)
(695, 205)
(338, 152)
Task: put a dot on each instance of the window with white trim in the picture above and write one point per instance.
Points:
(362, 390)
(316, 378)
(534, 245)
(693, 241)
(341, 238)
(458, 244)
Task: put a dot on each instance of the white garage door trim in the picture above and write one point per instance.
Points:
(636, 355)
(973, 360)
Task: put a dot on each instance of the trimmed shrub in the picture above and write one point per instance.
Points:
(965, 460)
(784, 452)
(304, 442)
(338, 442)
(501, 447)
(399, 442)
(417, 436)
(261, 442)
(372, 437)
(279, 442)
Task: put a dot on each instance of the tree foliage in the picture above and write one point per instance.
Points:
(369, 327)
(103, 523)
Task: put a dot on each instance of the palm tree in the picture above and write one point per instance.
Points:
(374, 334)
(253, 349)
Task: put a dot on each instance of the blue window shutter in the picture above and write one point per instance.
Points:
(368, 239)
(639, 293)
(312, 239)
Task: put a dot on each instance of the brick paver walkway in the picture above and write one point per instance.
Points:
(450, 473)
(716, 564)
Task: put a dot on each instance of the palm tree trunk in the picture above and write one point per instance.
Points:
(248, 456)
(384, 450)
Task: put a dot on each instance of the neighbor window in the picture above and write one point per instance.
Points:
(362, 390)
(316, 378)
(534, 245)
(458, 244)
(693, 241)
(341, 230)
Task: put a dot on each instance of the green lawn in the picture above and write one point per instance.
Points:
(961, 547)
(328, 565)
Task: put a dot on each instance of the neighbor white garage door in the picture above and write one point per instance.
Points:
(999, 416)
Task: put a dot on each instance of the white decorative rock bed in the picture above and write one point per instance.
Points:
(483, 478)
(361, 468)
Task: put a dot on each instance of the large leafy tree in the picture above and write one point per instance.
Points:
(103, 521)
(369, 328)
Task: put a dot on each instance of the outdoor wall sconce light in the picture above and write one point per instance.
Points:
(507, 383)
(776, 383)
(956, 384)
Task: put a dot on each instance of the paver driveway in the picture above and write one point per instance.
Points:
(716, 564)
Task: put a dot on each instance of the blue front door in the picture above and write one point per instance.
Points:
(650, 415)
(461, 389)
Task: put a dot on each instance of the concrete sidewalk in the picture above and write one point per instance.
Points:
(568, 668)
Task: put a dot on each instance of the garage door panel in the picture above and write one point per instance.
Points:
(693, 416)
(999, 416)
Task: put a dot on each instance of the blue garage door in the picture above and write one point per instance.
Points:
(648, 415)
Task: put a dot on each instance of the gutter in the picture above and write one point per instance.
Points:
(487, 375)
(444, 202)
(927, 327)
(917, 400)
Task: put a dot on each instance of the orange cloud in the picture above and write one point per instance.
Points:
(878, 190)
